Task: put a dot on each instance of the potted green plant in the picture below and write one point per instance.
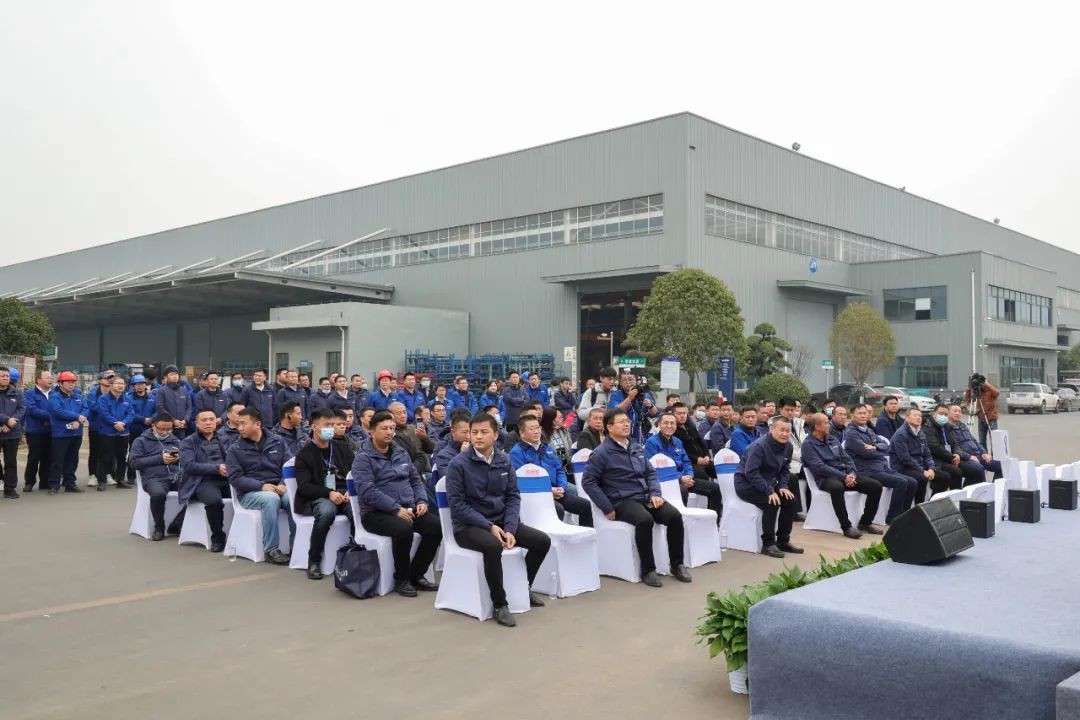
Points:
(725, 626)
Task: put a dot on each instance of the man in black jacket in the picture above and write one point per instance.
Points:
(692, 443)
(942, 444)
(593, 434)
(203, 474)
(417, 445)
(321, 468)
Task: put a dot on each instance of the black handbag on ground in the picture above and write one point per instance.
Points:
(357, 571)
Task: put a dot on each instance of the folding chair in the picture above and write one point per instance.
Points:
(701, 542)
(142, 522)
(338, 535)
(741, 521)
(821, 516)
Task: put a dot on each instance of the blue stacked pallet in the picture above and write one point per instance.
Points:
(480, 368)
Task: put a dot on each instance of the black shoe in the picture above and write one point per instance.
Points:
(314, 572)
(275, 556)
(652, 579)
(424, 585)
(789, 548)
(28, 488)
(535, 600)
(173, 530)
(871, 529)
(503, 616)
(404, 588)
(52, 491)
(772, 551)
(123, 485)
(11, 494)
(74, 489)
(852, 533)
(681, 573)
(216, 547)
(101, 486)
(158, 535)
(800, 516)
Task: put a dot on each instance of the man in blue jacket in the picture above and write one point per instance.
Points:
(967, 446)
(227, 433)
(235, 392)
(174, 399)
(721, 430)
(290, 428)
(115, 418)
(383, 395)
(536, 390)
(255, 465)
(762, 480)
(340, 397)
(142, 408)
(637, 403)
(12, 416)
(293, 392)
(746, 432)
(889, 421)
(910, 455)
(211, 397)
(835, 473)
(460, 397)
(156, 456)
(485, 505)
(565, 400)
(410, 396)
(359, 391)
(623, 485)
(204, 475)
(103, 386)
(67, 418)
(665, 442)
(530, 448)
(869, 451)
(260, 395)
(38, 433)
(394, 504)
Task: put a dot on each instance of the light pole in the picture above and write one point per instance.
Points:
(610, 336)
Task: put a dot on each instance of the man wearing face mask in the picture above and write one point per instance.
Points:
(707, 418)
(943, 446)
(321, 397)
(156, 457)
(235, 392)
(321, 468)
(204, 476)
(173, 399)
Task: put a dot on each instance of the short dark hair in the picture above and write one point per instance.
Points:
(232, 405)
(356, 375)
(829, 401)
(263, 370)
(610, 415)
(407, 374)
(162, 417)
(887, 398)
(530, 404)
(287, 407)
(323, 378)
(321, 414)
(513, 372)
(483, 418)
(458, 419)
(367, 409)
(205, 410)
(282, 370)
(786, 402)
(940, 406)
(747, 408)
(460, 413)
(489, 407)
(438, 403)
(676, 405)
(672, 395)
(563, 379)
(608, 372)
(341, 413)
(253, 413)
(713, 404)
(664, 414)
(381, 416)
(527, 418)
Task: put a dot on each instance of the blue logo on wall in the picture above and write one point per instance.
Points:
(813, 265)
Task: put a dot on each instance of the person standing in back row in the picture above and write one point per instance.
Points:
(173, 399)
(38, 433)
(67, 418)
(115, 418)
(12, 414)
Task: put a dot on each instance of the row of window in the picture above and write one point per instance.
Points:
(724, 218)
(1022, 369)
(919, 371)
(604, 221)
(1068, 298)
(1019, 307)
(925, 303)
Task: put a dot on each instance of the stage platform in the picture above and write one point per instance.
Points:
(988, 634)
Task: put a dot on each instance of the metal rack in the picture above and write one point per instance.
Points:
(478, 369)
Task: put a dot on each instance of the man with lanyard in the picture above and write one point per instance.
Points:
(321, 468)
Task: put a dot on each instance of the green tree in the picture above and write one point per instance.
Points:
(23, 331)
(691, 315)
(779, 385)
(862, 341)
(765, 352)
(1069, 359)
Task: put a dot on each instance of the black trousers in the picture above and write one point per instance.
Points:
(158, 489)
(112, 457)
(577, 505)
(709, 489)
(38, 459)
(903, 487)
(65, 461)
(400, 533)
(532, 540)
(867, 486)
(943, 480)
(9, 468)
(92, 458)
(972, 472)
(772, 531)
(211, 492)
(947, 477)
(643, 517)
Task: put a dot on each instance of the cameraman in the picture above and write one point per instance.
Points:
(633, 398)
(987, 395)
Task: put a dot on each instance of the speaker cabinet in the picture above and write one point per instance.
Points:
(1024, 506)
(979, 516)
(928, 533)
(1062, 494)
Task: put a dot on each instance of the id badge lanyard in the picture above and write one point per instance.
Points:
(331, 479)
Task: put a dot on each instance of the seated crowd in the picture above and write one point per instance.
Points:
(396, 442)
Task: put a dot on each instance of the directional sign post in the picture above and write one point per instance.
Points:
(625, 362)
(827, 366)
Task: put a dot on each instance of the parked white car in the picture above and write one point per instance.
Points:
(922, 402)
(1031, 396)
(898, 392)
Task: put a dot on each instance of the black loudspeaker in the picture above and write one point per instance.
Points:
(1062, 494)
(979, 516)
(927, 533)
(1024, 506)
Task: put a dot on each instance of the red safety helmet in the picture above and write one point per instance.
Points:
(385, 374)
(66, 376)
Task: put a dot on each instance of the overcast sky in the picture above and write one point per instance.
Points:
(123, 118)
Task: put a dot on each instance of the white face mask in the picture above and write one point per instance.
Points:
(699, 416)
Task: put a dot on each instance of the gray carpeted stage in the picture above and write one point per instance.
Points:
(988, 634)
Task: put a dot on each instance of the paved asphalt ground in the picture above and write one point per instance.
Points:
(96, 623)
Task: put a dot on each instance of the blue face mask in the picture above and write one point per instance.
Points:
(941, 419)
(326, 434)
